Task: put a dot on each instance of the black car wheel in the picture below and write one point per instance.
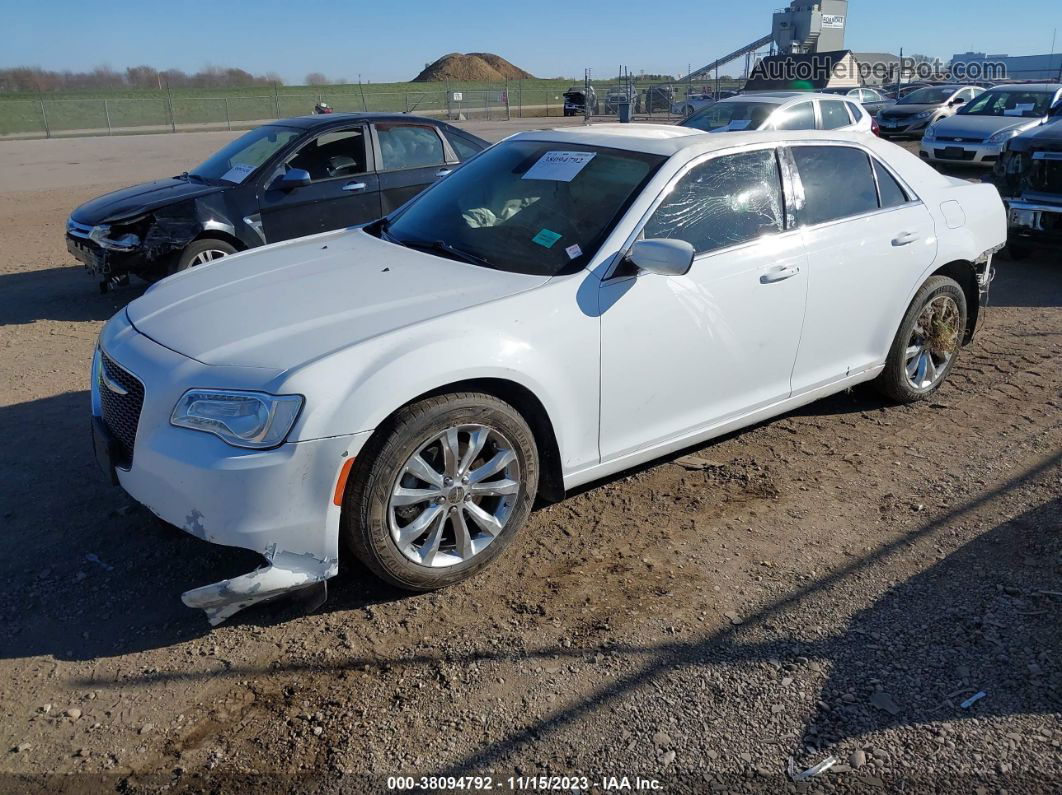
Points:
(200, 252)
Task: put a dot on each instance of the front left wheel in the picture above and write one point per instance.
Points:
(441, 490)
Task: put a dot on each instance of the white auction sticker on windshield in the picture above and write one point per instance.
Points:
(573, 251)
(238, 173)
(559, 166)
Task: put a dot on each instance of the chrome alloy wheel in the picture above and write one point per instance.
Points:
(934, 340)
(203, 257)
(454, 495)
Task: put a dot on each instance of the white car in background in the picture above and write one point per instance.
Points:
(566, 305)
(781, 110)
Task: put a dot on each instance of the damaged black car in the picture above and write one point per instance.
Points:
(287, 179)
(1029, 178)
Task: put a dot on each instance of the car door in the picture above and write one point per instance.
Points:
(410, 157)
(682, 353)
(343, 190)
(868, 240)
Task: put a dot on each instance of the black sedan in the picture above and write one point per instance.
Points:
(287, 179)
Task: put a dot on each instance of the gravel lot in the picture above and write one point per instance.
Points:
(833, 582)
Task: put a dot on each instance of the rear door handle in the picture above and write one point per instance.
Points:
(354, 186)
(779, 274)
(904, 238)
(442, 172)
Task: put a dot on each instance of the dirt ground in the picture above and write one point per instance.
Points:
(836, 581)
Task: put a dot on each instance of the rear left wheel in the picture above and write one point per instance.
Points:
(441, 491)
(927, 342)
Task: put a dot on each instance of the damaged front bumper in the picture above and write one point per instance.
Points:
(277, 502)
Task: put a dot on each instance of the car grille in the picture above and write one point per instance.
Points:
(120, 413)
(959, 139)
(946, 154)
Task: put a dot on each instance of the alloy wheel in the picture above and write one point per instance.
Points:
(203, 257)
(454, 495)
(934, 340)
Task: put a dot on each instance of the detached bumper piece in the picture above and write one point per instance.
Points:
(286, 573)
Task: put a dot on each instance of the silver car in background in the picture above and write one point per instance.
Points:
(914, 112)
(978, 133)
(781, 110)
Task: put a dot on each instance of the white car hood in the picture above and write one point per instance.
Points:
(282, 306)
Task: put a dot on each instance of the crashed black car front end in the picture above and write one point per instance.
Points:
(1029, 178)
(142, 229)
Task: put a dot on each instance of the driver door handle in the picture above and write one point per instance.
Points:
(354, 186)
(442, 172)
(904, 238)
(778, 274)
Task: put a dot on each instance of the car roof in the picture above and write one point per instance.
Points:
(779, 97)
(665, 139)
(322, 120)
(1027, 87)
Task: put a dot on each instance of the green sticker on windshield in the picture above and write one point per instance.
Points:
(546, 238)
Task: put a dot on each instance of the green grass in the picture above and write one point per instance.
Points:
(127, 110)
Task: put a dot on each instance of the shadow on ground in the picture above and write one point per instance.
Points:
(65, 293)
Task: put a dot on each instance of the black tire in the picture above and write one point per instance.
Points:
(893, 381)
(365, 521)
(185, 259)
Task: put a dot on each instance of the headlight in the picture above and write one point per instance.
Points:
(243, 419)
(924, 114)
(1005, 135)
(101, 235)
(930, 133)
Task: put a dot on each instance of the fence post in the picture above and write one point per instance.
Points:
(107, 115)
(276, 100)
(505, 96)
(44, 117)
(486, 101)
(228, 121)
(405, 100)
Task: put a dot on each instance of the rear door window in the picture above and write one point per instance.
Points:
(464, 147)
(797, 117)
(405, 146)
(838, 183)
(728, 200)
(834, 114)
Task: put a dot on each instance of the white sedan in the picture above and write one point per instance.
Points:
(564, 306)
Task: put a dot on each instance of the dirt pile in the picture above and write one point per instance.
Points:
(471, 66)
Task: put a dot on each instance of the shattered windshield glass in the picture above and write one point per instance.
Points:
(731, 115)
(236, 161)
(526, 206)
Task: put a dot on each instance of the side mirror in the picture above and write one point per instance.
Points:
(291, 179)
(957, 101)
(663, 256)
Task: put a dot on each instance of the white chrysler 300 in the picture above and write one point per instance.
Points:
(565, 305)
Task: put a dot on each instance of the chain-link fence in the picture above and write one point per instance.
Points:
(46, 117)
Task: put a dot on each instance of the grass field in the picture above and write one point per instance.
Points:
(126, 110)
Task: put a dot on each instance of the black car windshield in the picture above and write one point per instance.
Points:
(526, 206)
(731, 115)
(1010, 103)
(927, 96)
(236, 161)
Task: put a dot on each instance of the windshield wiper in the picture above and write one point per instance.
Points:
(442, 247)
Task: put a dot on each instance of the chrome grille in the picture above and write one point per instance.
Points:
(120, 412)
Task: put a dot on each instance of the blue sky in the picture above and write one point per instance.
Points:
(392, 41)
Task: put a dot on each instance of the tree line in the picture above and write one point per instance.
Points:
(33, 79)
